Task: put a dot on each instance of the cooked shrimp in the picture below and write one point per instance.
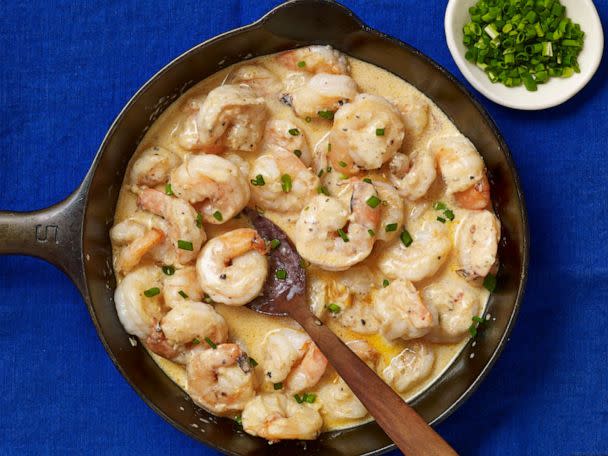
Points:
(231, 117)
(351, 291)
(453, 306)
(317, 237)
(391, 210)
(413, 176)
(365, 351)
(186, 236)
(213, 185)
(193, 322)
(459, 163)
(476, 243)
(288, 183)
(315, 59)
(366, 133)
(410, 366)
(139, 234)
(291, 358)
(401, 311)
(232, 267)
(258, 78)
(239, 162)
(323, 92)
(136, 311)
(415, 115)
(317, 292)
(339, 402)
(424, 256)
(132, 254)
(284, 135)
(277, 417)
(359, 316)
(153, 166)
(185, 281)
(475, 197)
(463, 171)
(219, 381)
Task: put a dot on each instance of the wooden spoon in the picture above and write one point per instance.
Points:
(284, 294)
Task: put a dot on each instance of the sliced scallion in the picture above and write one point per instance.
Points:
(150, 292)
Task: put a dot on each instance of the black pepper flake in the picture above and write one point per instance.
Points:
(223, 276)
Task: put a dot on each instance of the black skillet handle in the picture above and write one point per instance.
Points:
(53, 234)
(329, 19)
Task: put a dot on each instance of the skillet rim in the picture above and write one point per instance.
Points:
(363, 27)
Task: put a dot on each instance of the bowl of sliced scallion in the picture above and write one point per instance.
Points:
(525, 54)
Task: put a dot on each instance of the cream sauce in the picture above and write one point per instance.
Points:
(248, 327)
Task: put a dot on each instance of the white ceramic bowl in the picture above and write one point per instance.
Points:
(556, 90)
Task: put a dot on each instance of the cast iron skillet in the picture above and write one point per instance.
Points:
(73, 234)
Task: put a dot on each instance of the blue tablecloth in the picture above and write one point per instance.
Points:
(67, 68)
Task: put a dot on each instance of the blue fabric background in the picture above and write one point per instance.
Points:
(67, 68)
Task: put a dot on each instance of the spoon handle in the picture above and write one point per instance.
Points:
(401, 423)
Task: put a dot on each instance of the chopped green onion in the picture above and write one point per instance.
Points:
(152, 292)
(168, 190)
(323, 189)
(490, 29)
(385, 283)
(441, 219)
(449, 214)
(258, 181)
(199, 220)
(217, 215)
(391, 227)
(525, 42)
(342, 164)
(281, 274)
(239, 420)
(343, 235)
(308, 119)
(277, 386)
(196, 341)
(185, 245)
(301, 64)
(298, 399)
(327, 115)
(309, 398)
(286, 183)
(182, 294)
(207, 299)
(168, 270)
(479, 320)
(294, 132)
(303, 263)
(406, 238)
(274, 243)
(334, 308)
(373, 201)
(210, 343)
(371, 232)
(297, 153)
(252, 362)
(439, 206)
(489, 282)
(320, 173)
(367, 180)
(379, 131)
(473, 330)
(328, 169)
